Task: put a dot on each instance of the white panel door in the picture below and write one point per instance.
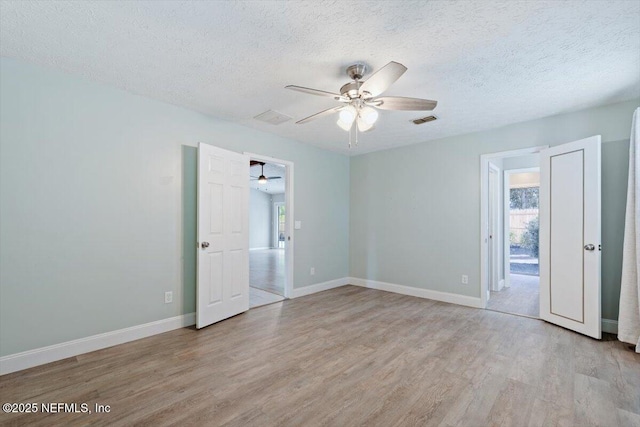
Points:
(570, 236)
(223, 234)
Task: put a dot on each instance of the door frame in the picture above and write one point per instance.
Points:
(275, 242)
(507, 228)
(288, 203)
(484, 212)
(494, 252)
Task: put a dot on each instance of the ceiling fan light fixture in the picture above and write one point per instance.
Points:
(262, 179)
(345, 126)
(348, 115)
(360, 98)
(368, 115)
(363, 126)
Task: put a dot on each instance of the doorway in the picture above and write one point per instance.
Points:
(510, 269)
(270, 251)
(521, 292)
(569, 227)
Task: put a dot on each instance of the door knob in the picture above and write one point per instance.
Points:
(589, 247)
(204, 245)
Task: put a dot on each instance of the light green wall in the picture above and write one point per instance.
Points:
(415, 210)
(522, 162)
(615, 169)
(97, 206)
(260, 219)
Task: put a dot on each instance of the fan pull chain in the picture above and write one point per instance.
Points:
(353, 129)
(355, 126)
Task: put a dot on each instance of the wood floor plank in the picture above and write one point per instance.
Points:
(523, 297)
(550, 414)
(513, 405)
(348, 356)
(628, 419)
(593, 402)
(267, 270)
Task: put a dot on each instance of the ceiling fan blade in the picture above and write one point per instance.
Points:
(403, 103)
(383, 78)
(318, 115)
(273, 177)
(317, 92)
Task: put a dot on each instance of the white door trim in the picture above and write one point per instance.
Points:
(289, 206)
(507, 229)
(275, 237)
(484, 210)
(494, 282)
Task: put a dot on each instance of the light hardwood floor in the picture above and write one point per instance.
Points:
(523, 297)
(348, 356)
(266, 270)
(258, 297)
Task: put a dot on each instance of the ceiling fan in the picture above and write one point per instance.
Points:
(261, 179)
(360, 99)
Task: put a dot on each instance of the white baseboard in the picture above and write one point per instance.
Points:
(261, 249)
(319, 287)
(52, 353)
(610, 326)
(418, 292)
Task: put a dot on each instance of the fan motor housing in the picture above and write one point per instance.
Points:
(350, 89)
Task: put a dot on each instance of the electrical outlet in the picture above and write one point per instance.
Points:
(168, 297)
(465, 279)
(312, 271)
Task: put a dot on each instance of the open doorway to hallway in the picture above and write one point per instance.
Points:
(510, 197)
(521, 291)
(267, 233)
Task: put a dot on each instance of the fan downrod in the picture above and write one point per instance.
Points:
(356, 71)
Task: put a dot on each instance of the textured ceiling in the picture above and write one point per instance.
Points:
(275, 186)
(488, 63)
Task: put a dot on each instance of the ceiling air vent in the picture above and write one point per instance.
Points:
(272, 117)
(424, 120)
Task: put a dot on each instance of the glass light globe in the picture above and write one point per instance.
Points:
(364, 126)
(344, 126)
(348, 115)
(369, 115)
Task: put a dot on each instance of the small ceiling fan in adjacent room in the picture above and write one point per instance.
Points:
(261, 179)
(360, 99)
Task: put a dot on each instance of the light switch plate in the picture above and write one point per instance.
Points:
(297, 225)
